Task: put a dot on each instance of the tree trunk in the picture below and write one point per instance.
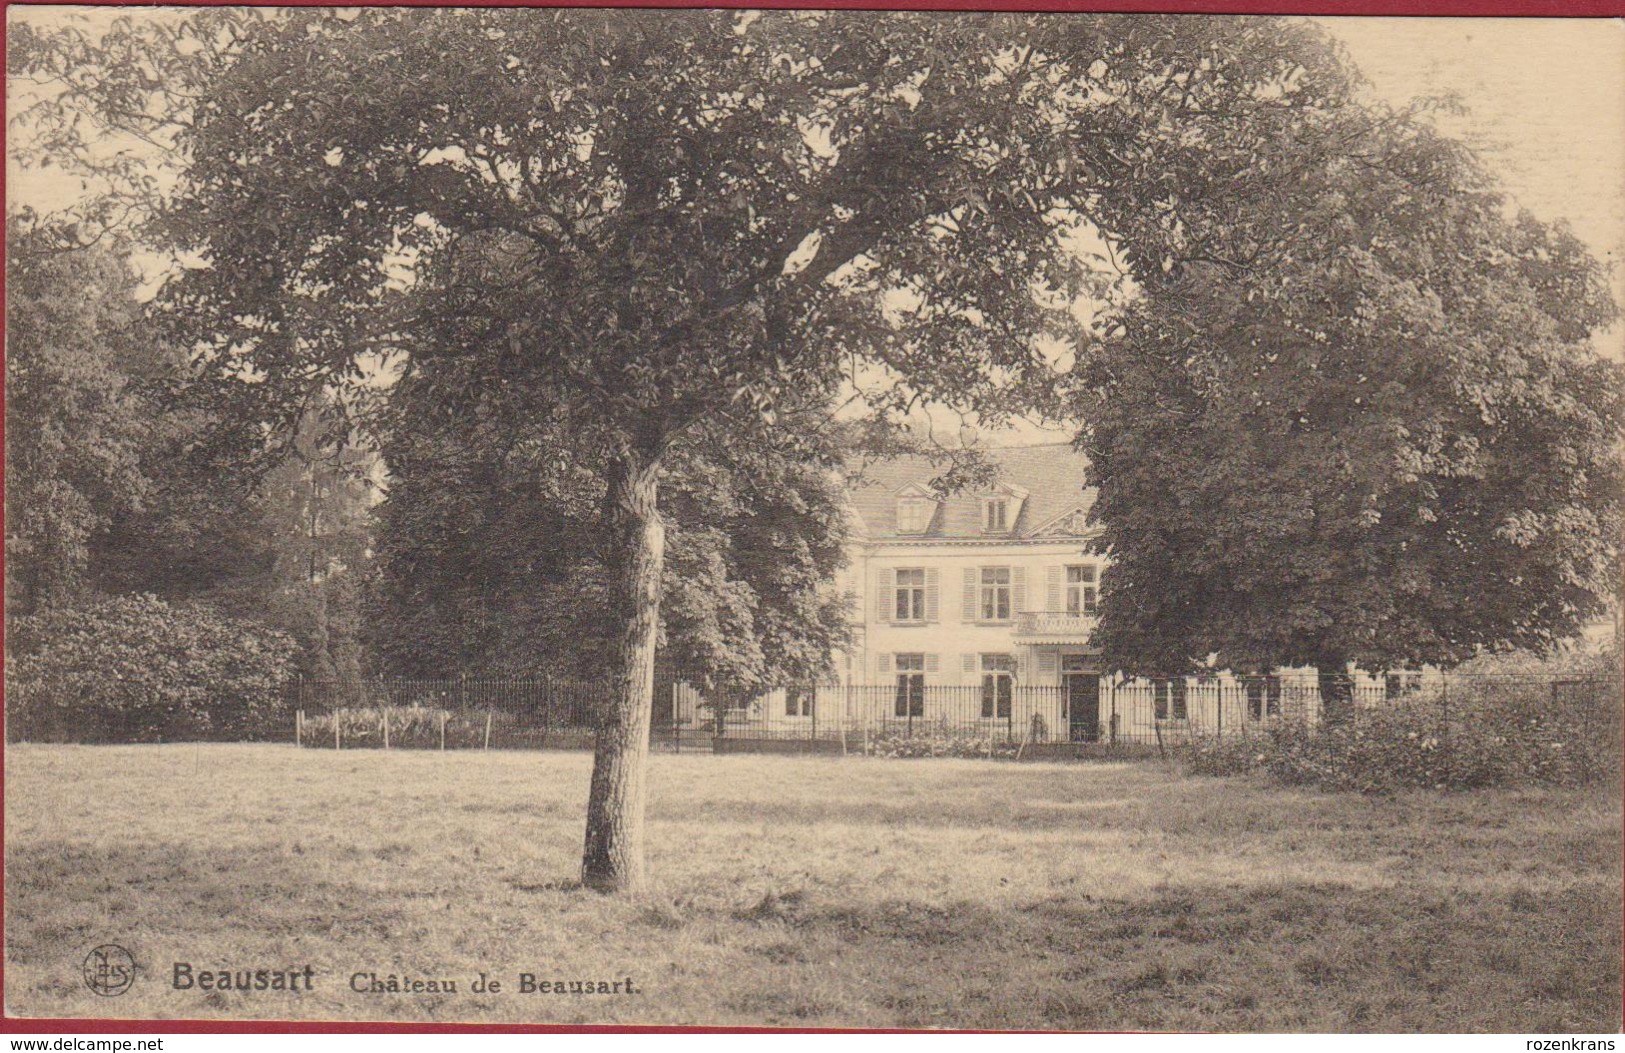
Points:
(613, 858)
(1336, 691)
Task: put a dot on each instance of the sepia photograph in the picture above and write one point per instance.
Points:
(814, 519)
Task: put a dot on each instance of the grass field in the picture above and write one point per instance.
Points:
(806, 891)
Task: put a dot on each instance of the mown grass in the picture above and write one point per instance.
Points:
(810, 891)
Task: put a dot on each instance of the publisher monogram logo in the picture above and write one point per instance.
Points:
(109, 970)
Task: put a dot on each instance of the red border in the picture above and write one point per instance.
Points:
(1380, 8)
(1402, 8)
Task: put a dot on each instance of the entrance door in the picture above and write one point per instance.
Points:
(1083, 706)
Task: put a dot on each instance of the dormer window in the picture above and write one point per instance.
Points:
(996, 515)
(914, 513)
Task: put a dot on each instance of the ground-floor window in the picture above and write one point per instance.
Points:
(1169, 699)
(998, 685)
(1397, 684)
(910, 685)
(798, 701)
(1263, 697)
(1078, 663)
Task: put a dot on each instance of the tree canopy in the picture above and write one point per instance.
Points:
(1396, 447)
(489, 555)
(79, 416)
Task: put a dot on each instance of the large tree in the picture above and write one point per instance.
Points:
(661, 220)
(1395, 446)
(78, 417)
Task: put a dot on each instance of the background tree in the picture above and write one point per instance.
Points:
(314, 513)
(643, 225)
(122, 481)
(78, 419)
(489, 559)
(1395, 447)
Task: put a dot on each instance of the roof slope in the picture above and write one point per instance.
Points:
(1053, 475)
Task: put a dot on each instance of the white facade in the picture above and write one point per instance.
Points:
(972, 613)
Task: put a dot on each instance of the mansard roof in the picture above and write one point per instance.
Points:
(1049, 480)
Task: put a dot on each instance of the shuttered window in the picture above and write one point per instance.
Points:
(909, 596)
(994, 603)
(910, 700)
(998, 686)
(1082, 590)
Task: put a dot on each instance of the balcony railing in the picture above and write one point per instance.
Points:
(1073, 626)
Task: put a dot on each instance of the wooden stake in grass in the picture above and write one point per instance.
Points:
(338, 719)
(298, 727)
(442, 731)
(386, 729)
(488, 729)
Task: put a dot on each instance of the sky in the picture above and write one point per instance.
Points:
(1545, 103)
(1544, 106)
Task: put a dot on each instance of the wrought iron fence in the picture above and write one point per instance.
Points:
(1079, 712)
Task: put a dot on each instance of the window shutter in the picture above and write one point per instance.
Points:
(883, 663)
(932, 663)
(885, 594)
(933, 591)
(1018, 590)
(1021, 665)
(1052, 582)
(1047, 661)
(971, 577)
(969, 663)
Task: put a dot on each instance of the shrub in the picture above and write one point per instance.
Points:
(1494, 733)
(935, 743)
(1227, 756)
(137, 669)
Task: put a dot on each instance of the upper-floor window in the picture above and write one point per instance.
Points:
(996, 515)
(1082, 590)
(914, 514)
(909, 599)
(995, 598)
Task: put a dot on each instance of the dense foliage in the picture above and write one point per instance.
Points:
(77, 420)
(138, 669)
(490, 559)
(124, 479)
(1394, 446)
(1495, 732)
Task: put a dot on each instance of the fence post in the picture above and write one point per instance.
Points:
(846, 716)
(386, 727)
(298, 727)
(442, 731)
(487, 729)
(338, 719)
